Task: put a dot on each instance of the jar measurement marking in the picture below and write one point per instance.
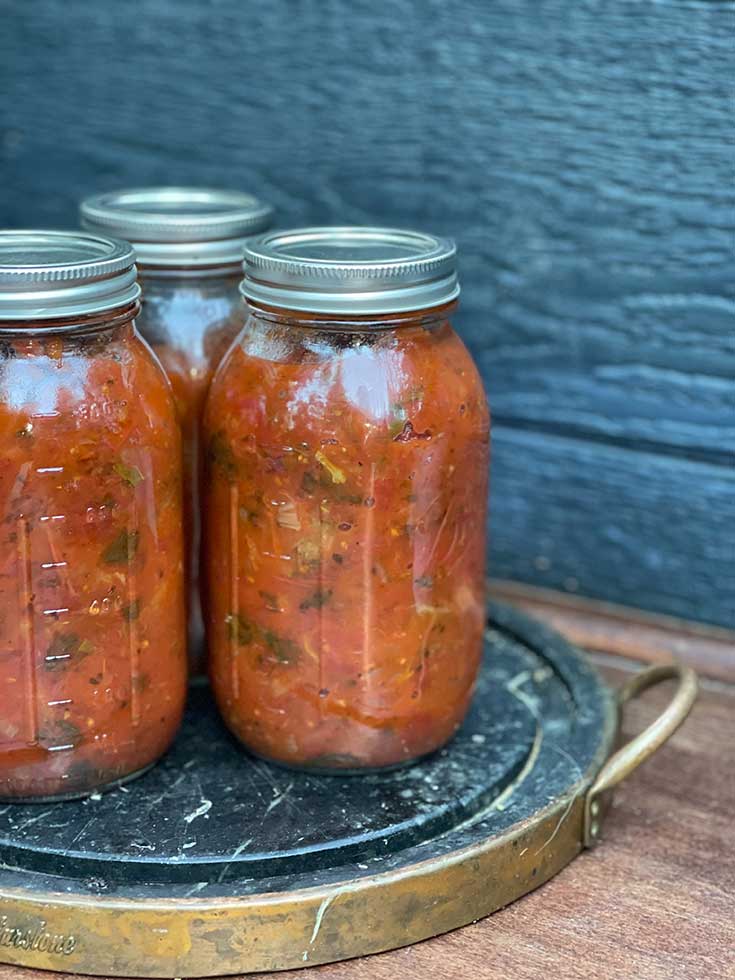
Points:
(51, 662)
(28, 727)
(91, 523)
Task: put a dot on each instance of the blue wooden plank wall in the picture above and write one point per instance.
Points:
(581, 152)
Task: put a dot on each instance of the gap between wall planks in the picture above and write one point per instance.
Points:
(604, 627)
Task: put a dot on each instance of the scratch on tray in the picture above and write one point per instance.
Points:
(32, 820)
(320, 912)
(235, 854)
(196, 888)
(278, 799)
(579, 774)
(514, 686)
(159, 799)
(206, 806)
(320, 916)
(85, 827)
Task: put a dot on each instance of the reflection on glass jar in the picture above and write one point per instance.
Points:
(92, 627)
(189, 244)
(347, 440)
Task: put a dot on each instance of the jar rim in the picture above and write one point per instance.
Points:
(350, 270)
(48, 275)
(175, 226)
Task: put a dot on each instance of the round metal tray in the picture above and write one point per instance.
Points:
(215, 862)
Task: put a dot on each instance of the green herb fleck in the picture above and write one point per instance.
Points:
(316, 600)
(60, 732)
(245, 632)
(60, 651)
(284, 649)
(141, 683)
(344, 497)
(122, 549)
(270, 600)
(330, 481)
(220, 454)
(425, 581)
(130, 474)
(334, 471)
(309, 482)
(131, 611)
(398, 419)
(241, 629)
(308, 552)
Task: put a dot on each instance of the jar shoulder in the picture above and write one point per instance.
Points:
(190, 323)
(78, 373)
(381, 376)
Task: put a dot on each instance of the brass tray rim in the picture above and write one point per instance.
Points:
(190, 937)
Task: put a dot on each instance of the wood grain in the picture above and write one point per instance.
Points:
(653, 901)
(580, 153)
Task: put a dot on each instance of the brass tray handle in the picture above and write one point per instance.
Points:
(640, 748)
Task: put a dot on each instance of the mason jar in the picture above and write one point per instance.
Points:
(347, 436)
(189, 244)
(92, 621)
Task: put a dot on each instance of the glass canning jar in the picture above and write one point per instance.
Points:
(92, 620)
(348, 442)
(189, 244)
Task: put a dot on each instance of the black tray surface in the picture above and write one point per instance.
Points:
(211, 819)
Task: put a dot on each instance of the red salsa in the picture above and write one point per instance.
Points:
(190, 322)
(92, 628)
(347, 476)
(189, 243)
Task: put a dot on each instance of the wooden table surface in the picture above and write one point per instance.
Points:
(655, 901)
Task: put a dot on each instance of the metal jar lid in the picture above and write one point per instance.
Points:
(353, 271)
(47, 275)
(179, 226)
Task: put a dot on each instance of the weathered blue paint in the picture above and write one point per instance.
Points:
(581, 154)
